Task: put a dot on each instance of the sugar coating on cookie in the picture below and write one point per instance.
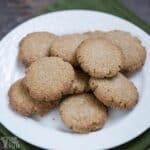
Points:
(49, 78)
(117, 92)
(99, 58)
(83, 113)
(34, 46)
(65, 47)
(80, 83)
(21, 101)
(134, 52)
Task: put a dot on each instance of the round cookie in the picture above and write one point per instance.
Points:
(49, 78)
(80, 83)
(83, 113)
(65, 47)
(134, 52)
(21, 101)
(99, 58)
(94, 34)
(117, 92)
(34, 46)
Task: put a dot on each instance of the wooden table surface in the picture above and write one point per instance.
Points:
(14, 12)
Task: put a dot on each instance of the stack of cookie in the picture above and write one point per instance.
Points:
(82, 73)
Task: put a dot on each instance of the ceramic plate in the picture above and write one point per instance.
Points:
(49, 132)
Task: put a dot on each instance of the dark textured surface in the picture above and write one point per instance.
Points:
(140, 7)
(14, 12)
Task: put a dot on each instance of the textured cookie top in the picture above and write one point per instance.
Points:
(99, 58)
(83, 113)
(65, 47)
(132, 49)
(80, 83)
(116, 92)
(21, 101)
(49, 78)
(35, 45)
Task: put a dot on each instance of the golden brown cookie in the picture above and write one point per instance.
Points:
(116, 92)
(83, 113)
(134, 52)
(21, 101)
(49, 78)
(34, 46)
(80, 83)
(99, 58)
(65, 47)
(43, 108)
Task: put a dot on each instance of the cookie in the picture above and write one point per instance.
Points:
(83, 113)
(43, 108)
(65, 47)
(80, 83)
(94, 34)
(99, 58)
(21, 101)
(34, 46)
(117, 92)
(134, 52)
(49, 78)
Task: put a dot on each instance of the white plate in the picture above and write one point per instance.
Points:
(49, 132)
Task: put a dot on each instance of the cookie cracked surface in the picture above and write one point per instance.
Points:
(83, 113)
(49, 78)
(117, 92)
(99, 58)
(21, 101)
(34, 46)
(133, 51)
